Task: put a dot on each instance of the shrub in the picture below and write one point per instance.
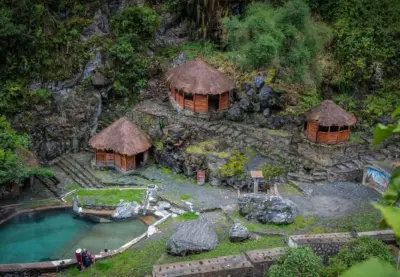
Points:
(286, 38)
(296, 262)
(235, 165)
(355, 252)
(270, 171)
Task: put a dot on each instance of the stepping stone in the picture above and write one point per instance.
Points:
(222, 129)
(249, 140)
(235, 134)
(242, 136)
(358, 163)
(229, 131)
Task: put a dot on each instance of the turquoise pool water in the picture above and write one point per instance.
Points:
(54, 235)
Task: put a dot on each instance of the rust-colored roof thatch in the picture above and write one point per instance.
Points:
(199, 78)
(122, 137)
(330, 114)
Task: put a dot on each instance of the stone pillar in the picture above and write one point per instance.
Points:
(255, 185)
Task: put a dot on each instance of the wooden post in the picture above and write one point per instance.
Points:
(207, 104)
(194, 102)
(134, 161)
(255, 185)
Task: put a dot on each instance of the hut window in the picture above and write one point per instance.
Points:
(213, 102)
(344, 128)
(108, 151)
(305, 126)
(323, 128)
(334, 128)
(188, 96)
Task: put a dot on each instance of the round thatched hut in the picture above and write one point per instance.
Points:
(197, 87)
(122, 145)
(328, 123)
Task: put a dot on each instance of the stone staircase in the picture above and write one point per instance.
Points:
(347, 171)
(82, 175)
(51, 184)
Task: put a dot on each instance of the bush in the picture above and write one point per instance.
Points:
(296, 262)
(286, 38)
(235, 165)
(355, 252)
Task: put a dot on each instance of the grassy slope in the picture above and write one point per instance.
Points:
(110, 196)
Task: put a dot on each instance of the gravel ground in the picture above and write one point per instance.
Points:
(333, 199)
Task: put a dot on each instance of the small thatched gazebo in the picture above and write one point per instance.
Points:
(197, 87)
(122, 145)
(328, 123)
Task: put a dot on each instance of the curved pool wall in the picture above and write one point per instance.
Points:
(60, 250)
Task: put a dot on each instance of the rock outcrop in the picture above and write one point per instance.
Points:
(238, 232)
(192, 237)
(126, 210)
(267, 209)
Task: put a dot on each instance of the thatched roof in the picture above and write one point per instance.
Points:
(330, 114)
(122, 137)
(199, 78)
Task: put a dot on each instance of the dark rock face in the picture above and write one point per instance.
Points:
(267, 97)
(246, 105)
(238, 232)
(267, 209)
(99, 81)
(126, 210)
(258, 82)
(192, 237)
(235, 113)
(100, 27)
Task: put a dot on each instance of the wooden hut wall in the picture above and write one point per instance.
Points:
(179, 98)
(201, 103)
(188, 103)
(100, 156)
(130, 162)
(117, 160)
(312, 129)
(224, 101)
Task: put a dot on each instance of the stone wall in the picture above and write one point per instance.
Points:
(330, 244)
(329, 155)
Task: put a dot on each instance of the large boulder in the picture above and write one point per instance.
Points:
(238, 232)
(246, 105)
(192, 237)
(267, 97)
(267, 209)
(235, 113)
(258, 82)
(126, 210)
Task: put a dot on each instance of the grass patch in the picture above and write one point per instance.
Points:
(227, 248)
(166, 170)
(299, 223)
(37, 204)
(109, 196)
(281, 133)
(185, 197)
(366, 220)
(133, 262)
(73, 186)
(207, 148)
(289, 189)
(187, 216)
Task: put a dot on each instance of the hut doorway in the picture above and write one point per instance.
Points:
(213, 103)
(139, 159)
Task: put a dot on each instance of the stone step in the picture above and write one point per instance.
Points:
(76, 176)
(367, 158)
(351, 165)
(319, 173)
(320, 178)
(341, 167)
(49, 184)
(78, 170)
(86, 170)
(359, 163)
(300, 176)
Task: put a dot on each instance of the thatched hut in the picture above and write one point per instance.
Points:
(328, 123)
(197, 87)
(122, 145)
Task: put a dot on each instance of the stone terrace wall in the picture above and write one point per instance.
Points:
(330, 244)
(151, 117)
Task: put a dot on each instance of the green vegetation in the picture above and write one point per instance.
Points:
(73, 186)
(235, 165)
(289, 189)
(270, 171)
(16, 163)
(166, 170)
(134, 30)
(207, 148)
(187, 216)
(108, 196)
(286, 38)
(355, 252)
(185, 197)
(296, 262)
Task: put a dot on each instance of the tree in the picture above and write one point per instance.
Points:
(14, 167)
(296, 262)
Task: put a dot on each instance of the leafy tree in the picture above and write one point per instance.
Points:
(296, 262)
(13, 165)
(391, 213)
(355, 252)
(286, 38)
